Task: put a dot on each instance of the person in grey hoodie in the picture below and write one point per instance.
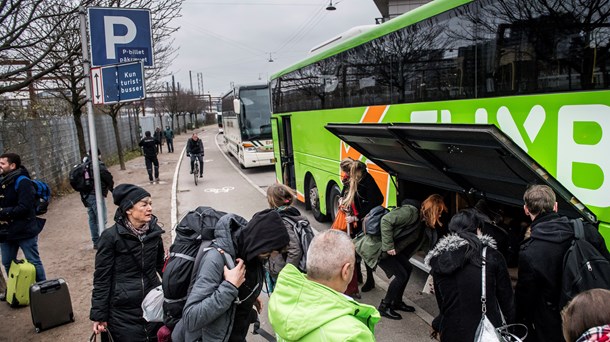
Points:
(220, 304)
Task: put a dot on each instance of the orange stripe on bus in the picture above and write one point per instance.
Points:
(373, 114)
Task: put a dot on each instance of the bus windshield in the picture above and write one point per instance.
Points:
(256, 113)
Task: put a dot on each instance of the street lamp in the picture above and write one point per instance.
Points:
(330, 6)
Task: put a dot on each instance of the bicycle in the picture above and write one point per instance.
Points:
(196, 170)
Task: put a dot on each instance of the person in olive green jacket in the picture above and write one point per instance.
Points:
(312, 307)
(401, 236)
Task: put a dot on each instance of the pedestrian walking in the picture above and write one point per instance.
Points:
(587, 318)
(159, 139)
(89, 200)
(359, 195)
(312, 307)
(169, 138)
(221, 303)
(194, 149)
(19, 226)
(149, 147)
(129, 259)
(538, 289)
(456, 263)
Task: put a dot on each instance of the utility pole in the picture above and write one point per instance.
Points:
(191, 79)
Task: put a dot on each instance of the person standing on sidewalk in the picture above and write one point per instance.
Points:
(128, 263)
(19, 226)
(88, 198)
(194, 149)
(149, 146)
(169, 137)
(159, 139)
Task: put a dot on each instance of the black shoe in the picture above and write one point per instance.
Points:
(402, 307)
(191, 172)
(200, 176)
(386, 311)
(368, 285)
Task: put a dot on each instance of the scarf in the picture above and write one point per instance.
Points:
(139, 232)
(596, 334)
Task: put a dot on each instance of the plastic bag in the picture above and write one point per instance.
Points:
(339, 223)
(152, 305)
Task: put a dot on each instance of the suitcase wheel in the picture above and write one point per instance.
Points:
(72, 317)
(38, 330)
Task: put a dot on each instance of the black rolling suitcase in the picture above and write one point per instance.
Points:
(50, 304)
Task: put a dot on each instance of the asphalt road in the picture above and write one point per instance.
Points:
(226, 187)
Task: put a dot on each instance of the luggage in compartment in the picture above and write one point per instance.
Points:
(21, 275)
(50, 304)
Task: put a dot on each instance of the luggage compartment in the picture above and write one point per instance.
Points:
(50, 304)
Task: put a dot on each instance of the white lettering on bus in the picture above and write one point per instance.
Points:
(569, 151)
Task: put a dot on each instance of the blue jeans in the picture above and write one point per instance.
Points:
(30, 251)
(92, 211)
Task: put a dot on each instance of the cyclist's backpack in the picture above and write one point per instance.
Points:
(194, 237)
(42, 194)
(584, 267)
(304, 233)
(372, 221)
(81, 177)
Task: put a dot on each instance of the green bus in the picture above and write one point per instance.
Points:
(471, 99)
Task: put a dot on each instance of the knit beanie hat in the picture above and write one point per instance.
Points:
(127, 195)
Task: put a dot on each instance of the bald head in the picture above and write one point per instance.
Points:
(330, 255)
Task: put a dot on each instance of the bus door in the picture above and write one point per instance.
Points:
(286, 152)
(474, 160)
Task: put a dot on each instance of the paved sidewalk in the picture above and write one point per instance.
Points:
(67, 252)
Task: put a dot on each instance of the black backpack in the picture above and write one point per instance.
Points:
(304, 233)
(584, 267)
(194, 237)
(81, 177)
(371, 224)
(42, 194)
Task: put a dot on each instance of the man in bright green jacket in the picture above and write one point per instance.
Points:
(312, 307)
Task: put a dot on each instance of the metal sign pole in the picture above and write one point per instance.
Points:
(92, 135)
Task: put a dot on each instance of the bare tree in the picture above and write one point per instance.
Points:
(29, 34)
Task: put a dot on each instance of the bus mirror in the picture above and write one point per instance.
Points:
(236, 106)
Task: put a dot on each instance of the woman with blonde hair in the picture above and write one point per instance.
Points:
(587, 318)
(360, 194)
(281, 197)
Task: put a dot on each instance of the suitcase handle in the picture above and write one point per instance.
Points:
(49, 286)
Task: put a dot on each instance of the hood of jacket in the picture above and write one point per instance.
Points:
(449, 254)
(552, 227)
(299, 306)
(223, 232)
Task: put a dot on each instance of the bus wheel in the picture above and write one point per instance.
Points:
(332, 202)
(314, 201)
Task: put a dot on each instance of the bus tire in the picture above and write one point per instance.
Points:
(332, 201)
(314, 201)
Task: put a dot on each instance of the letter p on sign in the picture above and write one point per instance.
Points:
(120, 35)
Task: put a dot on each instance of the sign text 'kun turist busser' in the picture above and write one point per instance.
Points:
(120, 35)
(118, 83)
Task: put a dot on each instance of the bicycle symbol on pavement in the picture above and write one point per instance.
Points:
(219, 190)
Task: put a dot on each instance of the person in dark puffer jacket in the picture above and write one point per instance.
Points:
(456, 263)
(130, 255)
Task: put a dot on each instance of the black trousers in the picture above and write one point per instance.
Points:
(150, 161)
(170, 145)
(399, 267)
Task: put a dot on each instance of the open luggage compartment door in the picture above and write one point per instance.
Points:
(478, 160)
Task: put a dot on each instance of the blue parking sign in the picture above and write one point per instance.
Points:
(123, 83)
(120, 35)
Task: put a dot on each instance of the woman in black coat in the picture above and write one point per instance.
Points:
(360, 194)
(456, 268)
(129, 256)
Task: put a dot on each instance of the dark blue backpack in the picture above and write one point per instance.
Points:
(372, 220)
(42, 194)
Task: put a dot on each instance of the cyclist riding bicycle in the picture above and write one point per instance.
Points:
(194, 149)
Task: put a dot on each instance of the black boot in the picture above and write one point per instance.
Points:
(402, 306)
(370, 281)
(385, 309)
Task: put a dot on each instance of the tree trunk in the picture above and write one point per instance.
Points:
(115, 124)
(82, 145)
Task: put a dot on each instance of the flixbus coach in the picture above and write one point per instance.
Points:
(246, 116)
(470, 99)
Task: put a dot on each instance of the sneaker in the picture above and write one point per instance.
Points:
(191, 172)
(157, 179)
(151, 181)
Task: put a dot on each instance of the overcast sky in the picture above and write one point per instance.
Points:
(230, 40)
